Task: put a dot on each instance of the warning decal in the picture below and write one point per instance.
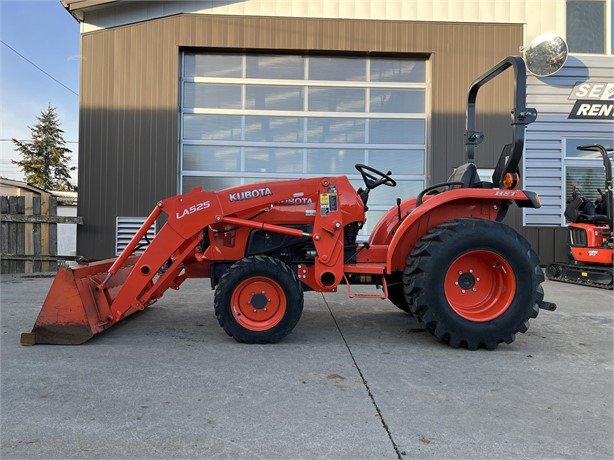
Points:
(324, 208)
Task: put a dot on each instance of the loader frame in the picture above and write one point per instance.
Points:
(206, 232)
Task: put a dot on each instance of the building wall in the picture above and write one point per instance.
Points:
(544, 159)
(16, 190)
(545, 143)
(129, 96)
(539, 15)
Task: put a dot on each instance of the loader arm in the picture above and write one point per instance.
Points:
(109, 291)
(190, 214)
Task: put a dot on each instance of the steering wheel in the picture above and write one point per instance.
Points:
(374, 178)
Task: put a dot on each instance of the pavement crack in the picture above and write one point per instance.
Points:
(364, 382)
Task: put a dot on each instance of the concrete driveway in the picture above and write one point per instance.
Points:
(356, 379)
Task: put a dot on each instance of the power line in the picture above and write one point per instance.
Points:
(50, 76)
(30, 140)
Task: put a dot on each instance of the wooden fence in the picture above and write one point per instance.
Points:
(29, 235)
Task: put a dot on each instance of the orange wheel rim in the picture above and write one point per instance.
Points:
(480, 285)
(258, 303)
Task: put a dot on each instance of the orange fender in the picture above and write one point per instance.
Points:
(401, 238)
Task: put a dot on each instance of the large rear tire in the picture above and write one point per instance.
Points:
(474, 283)
(396, 294)
(258, 300)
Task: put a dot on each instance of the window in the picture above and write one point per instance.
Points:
(587, 26)
(584, 170)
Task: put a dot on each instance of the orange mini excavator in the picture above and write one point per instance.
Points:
(590, 234)
(444, 256)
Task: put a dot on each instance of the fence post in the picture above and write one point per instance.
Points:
(45, 265)
(29, 233)
(4, 231)
(53, 233)
(37, 234)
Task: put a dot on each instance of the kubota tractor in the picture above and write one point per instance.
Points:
(590, 234)
(444, 255)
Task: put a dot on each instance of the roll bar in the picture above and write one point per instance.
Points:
(603, 151)
(521, 115)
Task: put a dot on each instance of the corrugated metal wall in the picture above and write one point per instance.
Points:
(545, 138)
(544, 155)
(129, 97)
(539, 15)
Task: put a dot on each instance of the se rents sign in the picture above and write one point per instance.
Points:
(594, 101)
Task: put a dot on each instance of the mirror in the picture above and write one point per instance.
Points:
(546, 54)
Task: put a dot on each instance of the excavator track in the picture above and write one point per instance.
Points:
(585, 275)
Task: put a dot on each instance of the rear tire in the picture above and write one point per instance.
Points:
(474, 283)
(258, 300)
(396, 295)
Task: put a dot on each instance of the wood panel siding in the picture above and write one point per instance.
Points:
(129, 97)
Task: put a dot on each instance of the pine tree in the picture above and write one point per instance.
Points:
(45, 158)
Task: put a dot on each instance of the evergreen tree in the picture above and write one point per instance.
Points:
(45, 158)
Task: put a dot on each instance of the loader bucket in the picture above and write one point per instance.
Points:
(75, 310)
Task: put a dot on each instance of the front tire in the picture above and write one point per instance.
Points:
(258, 300)
(474, 283)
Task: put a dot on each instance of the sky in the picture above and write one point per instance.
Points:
(43, 32)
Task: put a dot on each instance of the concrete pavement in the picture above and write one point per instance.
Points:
(356, 379)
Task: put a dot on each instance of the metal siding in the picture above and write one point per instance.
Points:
(129, 97)
(551, 244)
(539, 15)
(543, 166)
(543, 160)
(128, 130)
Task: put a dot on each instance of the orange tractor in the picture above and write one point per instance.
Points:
(444, 256)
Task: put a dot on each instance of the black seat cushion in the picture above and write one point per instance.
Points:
(593, 219)
(467, 174)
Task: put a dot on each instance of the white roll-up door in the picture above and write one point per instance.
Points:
(256, 117)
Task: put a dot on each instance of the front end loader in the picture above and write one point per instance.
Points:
(443, 256)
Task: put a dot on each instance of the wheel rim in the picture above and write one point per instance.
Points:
(480, 285)
(258, 303)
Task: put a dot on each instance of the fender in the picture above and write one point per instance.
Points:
(489, 204)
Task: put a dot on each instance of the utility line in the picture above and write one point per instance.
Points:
(30, 140)
(26, 59)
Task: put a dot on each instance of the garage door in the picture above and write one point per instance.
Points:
(254, 117)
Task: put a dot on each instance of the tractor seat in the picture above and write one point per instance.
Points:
(592, 219)
(581, 210)
(467, 174)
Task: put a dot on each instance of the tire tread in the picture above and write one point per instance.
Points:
(223, 293)
(416, 282)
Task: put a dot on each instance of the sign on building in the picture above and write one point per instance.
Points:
(594, 100)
